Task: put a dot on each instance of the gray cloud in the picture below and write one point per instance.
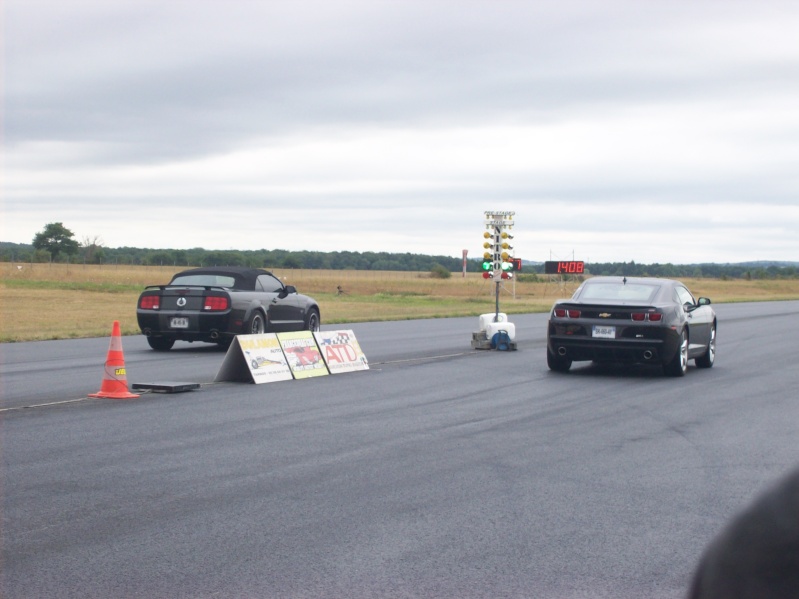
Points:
(392, 110)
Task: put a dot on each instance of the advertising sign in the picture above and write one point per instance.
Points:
(256, 358)
(341, 351)
(302, 354)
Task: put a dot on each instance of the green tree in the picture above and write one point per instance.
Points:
(439, 271)
(56, 239)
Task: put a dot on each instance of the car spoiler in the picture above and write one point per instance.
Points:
(206, 287)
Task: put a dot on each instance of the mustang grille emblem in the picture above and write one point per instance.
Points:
(604, 314)
(181, 301)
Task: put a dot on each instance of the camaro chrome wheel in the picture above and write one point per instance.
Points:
(706, 360)
(679, 363)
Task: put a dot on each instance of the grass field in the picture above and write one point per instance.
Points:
(63, 301)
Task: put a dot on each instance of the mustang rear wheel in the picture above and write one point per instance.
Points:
(312, 321)
(160, 343)
(256, 325)
(679, 363)
(706, 360)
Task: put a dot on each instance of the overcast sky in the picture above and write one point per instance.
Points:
(616, 130)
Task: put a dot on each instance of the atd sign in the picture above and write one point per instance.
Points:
(271, 357)
(341, 351)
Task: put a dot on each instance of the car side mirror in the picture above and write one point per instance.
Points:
(704, 301)
(290, 289)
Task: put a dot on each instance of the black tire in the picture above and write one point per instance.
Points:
(160, 343)
(256, 325)
(312, 320)
(707, 359)
(558, 363)
(679, 363)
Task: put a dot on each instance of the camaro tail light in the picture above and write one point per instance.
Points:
(150, 302)
(564, 313)
(650, 316)
(215, 303)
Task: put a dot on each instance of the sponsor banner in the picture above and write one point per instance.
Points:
(302, 354)
(254, 358)
(341, 351)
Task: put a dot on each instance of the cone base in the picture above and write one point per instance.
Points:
(114, 395)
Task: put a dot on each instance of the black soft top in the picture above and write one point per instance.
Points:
(244, 277)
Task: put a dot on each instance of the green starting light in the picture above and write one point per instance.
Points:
(507, 266)
(488, 265)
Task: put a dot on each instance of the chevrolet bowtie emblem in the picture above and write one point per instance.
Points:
(604, 314)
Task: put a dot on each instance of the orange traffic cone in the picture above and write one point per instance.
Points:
(115, 383)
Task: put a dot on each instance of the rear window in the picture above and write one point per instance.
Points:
(205, 280)
(618, 292)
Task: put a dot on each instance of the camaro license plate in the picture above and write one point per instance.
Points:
(604, 332)
(179, 323)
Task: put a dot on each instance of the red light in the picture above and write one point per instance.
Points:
(560, 312)
(487, 275)
(650, 316)
(574, 314)
(149, 302)
(215, 303)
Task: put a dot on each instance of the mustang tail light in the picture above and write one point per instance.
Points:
(150, 302)
(214, 303)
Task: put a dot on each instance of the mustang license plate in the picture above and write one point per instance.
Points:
(179, 323)
(604, 332)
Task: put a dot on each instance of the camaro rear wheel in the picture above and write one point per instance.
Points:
(558, 363)
(679, 363)
(256, 325)
(312, 321)
(160, 343)
(706, 360)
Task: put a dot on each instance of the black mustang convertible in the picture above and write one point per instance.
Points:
(216, 304)
(635, 321)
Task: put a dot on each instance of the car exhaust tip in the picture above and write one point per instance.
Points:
(561, 351)
(214, 335)
(647, 355)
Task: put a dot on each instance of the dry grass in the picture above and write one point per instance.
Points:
(61, 301)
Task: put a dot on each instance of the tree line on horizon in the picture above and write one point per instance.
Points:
(56, 243)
